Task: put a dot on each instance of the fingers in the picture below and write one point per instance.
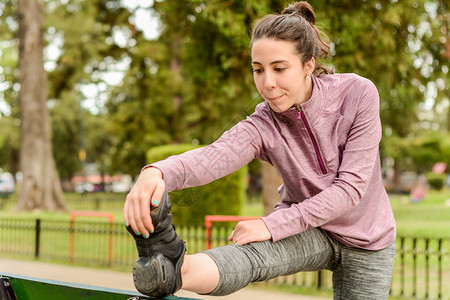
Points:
(231, 237)
(240, 234)
(250, 231)
(139, 204)
(145, 216)
(125, 213)
(134, 212)
(245, 240)
(158, 194)
(153, 200)
(148, 189)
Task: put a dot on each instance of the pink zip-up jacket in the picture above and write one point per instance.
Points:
(326, 152)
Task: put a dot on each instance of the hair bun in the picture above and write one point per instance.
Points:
(303, 9)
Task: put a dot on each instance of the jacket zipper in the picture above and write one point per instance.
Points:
(301, 116)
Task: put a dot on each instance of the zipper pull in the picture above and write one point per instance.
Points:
(299, 112)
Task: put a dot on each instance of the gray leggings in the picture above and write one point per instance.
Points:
(357, 273)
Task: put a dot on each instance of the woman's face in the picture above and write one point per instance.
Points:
(280, 75)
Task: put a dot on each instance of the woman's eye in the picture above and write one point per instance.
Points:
(279, 69)
(257, 70)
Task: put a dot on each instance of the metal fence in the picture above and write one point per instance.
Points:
(422, 265)
(422, 268)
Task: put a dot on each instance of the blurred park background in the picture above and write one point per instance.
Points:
(91, 91)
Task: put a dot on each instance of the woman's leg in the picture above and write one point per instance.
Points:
(363, 274)
(226, 269)
(199, 273)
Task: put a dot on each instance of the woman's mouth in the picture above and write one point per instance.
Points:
(274, 98)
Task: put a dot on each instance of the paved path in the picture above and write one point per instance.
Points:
(121, 280)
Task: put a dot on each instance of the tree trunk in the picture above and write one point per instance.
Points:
(40, 187)
(270, 182)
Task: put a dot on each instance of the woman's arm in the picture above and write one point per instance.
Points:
(234, 149)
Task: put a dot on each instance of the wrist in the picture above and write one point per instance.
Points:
(152, 171)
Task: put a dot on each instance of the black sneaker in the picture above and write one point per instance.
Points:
(157, 272)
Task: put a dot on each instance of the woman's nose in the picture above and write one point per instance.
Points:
(269, 81)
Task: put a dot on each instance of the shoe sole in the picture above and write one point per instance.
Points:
(154, 276)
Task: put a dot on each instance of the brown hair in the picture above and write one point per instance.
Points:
(296, 24)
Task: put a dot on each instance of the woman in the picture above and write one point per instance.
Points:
(321, 131)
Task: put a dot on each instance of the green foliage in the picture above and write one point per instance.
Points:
(398, 149)
(434, 53)
(445, 149)
(9, 144)
(98, 141)
(371, 39)
(201, 82)
(426, 149)
(224, 196)
(9, 119)
(420, 152)
(84, 30)
(65, 118)
(194, 81)
(436, 181)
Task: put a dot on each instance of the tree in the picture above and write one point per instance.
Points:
(387, 43)
(85, 52)
(9, 117)
(434, 55)
(40, 187)
(192, 83)
(199, 85)
(85, 32)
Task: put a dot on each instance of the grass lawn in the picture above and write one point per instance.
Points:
(429, 218)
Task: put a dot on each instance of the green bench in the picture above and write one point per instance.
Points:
(15, 286)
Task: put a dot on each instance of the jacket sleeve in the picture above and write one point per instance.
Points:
(233, 150)
(359, 160)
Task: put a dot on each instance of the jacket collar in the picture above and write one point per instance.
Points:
(312, 108)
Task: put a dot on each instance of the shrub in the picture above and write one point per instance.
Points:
(436, 181)
(224, 196)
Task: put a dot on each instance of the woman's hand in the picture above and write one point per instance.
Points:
(250, 231)
(147, 191)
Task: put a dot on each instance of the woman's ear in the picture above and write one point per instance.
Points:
(309, 66)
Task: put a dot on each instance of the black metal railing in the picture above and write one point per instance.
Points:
(422, 268)
(421, 271)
